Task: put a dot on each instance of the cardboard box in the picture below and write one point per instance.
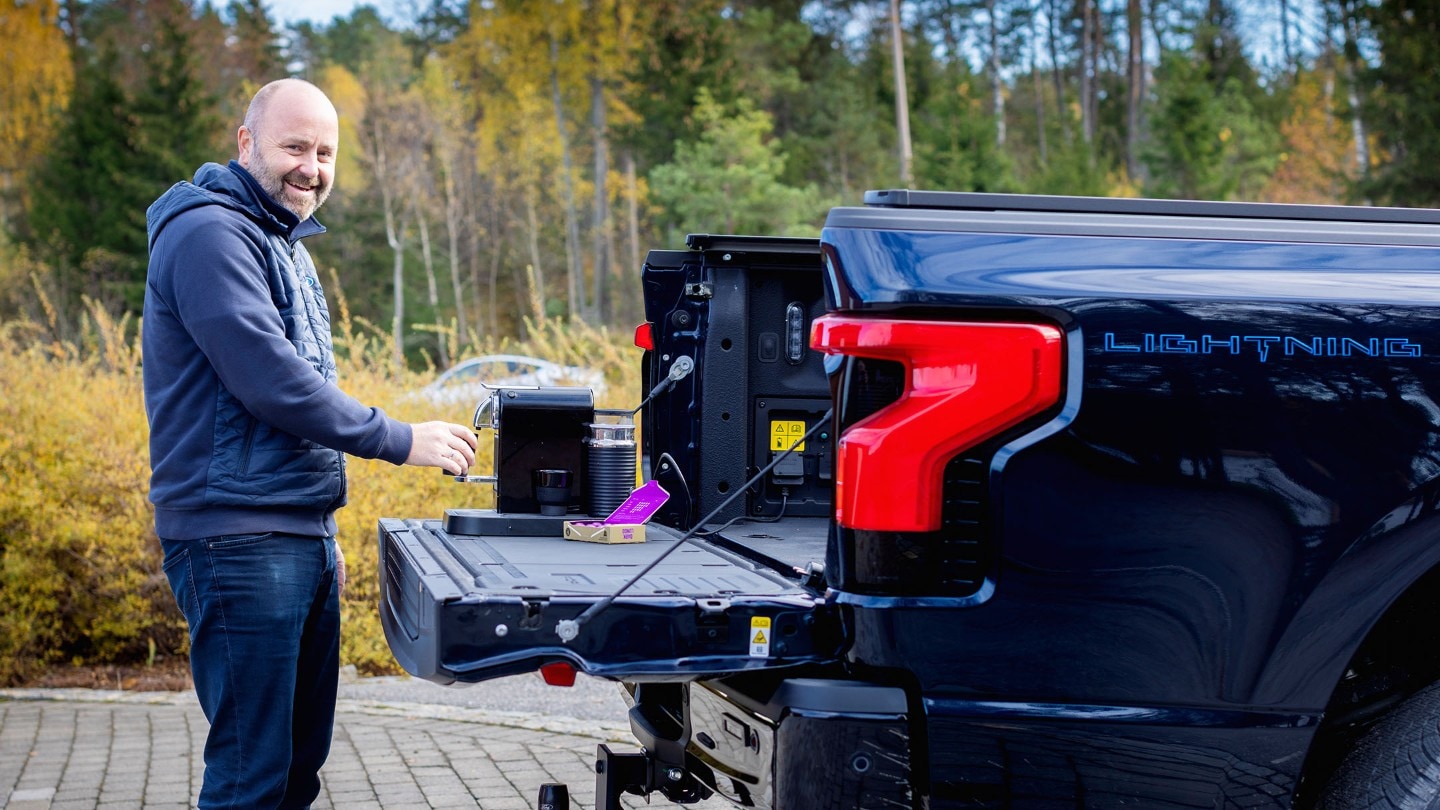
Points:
(604, 532)
(627, 523)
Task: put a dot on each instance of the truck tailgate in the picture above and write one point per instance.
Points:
(472, 607)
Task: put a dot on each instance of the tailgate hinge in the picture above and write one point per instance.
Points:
(713, 623)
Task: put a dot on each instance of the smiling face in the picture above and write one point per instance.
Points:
(289, 142)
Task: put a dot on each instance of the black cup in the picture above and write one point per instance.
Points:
(552, 490)
(553, 796)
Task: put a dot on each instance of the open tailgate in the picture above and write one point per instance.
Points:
(472, 607)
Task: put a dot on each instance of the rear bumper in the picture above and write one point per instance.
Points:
(830, 744)
(784, 743)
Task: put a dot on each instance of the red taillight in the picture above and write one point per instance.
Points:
(965, 382)
(558, 673)
(644, 338)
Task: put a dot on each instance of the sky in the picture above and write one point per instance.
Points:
(321, 12)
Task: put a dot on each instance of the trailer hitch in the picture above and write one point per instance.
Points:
(641, 774)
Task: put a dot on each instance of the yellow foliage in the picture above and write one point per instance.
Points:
(1119, 183)
(36, 76)
(348, 96)
(80, 571)
(1319, 148)
(80, 576)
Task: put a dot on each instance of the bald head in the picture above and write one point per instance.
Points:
(282, 93)
(288, 143)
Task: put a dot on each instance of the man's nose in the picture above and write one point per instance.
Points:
(309, 164)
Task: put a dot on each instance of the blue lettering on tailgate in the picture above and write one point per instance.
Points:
(1261, 346)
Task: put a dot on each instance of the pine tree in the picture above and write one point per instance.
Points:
(118, 151)
(84, 215)
(1207, 141)
(955, 136)
(175, 112)
(256, 52)
(728, 180)
(1403, 106)
(689, 46)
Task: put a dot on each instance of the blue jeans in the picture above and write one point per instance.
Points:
(264, 616)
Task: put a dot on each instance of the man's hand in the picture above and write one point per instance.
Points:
(340, 575)
(445, 445)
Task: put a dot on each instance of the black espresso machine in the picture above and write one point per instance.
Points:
(557, 457)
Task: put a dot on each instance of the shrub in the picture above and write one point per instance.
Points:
(80, 575)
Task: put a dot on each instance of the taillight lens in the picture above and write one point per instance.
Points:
(965, 382)
(645, 337)
(558, 673)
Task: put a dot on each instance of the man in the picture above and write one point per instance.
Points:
(248, 433)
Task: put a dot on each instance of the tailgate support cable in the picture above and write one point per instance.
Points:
(568, 629)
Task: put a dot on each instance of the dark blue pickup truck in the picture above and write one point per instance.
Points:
(992, 501)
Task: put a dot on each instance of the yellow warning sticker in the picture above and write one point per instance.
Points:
(760, 636)
(784, 432)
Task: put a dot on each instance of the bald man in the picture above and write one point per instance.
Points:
(248, 437)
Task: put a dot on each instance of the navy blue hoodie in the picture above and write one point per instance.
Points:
(248, 430)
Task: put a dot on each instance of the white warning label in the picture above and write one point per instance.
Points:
(759, 637)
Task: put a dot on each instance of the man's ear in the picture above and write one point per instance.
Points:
(245, 141)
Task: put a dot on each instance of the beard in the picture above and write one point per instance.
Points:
(276, 185)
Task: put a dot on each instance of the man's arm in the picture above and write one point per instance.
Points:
(221, 295)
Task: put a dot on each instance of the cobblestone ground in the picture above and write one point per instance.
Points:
(69, 755)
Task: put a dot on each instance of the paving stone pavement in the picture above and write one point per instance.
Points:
(63, 749)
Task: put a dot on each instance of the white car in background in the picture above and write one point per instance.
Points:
(467, 382)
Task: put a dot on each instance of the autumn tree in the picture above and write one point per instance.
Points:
(1314, 164)
(611, 31)
(392, 142)
(510, 107)
(1134, 86)
(35, 84)
(452, 154)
